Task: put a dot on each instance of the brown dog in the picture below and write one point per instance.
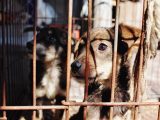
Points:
(100, 70)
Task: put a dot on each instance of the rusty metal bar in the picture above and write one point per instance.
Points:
(4, 64)
(110, 103)
(114, 57)
(70, 9)
(93, 19)
(34, 60)
(69, 48)
(80, 19)
(66, 104)
(87, 48)
(141, 60)
(87, 56)
(33, 107)
(3, 118)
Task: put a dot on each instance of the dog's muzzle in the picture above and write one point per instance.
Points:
(75, 66)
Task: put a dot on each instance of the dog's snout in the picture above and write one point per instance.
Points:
(76, 66)
(30, 45)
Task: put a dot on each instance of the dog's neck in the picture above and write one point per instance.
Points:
(52, 62)
(122, 82)
(49, 86)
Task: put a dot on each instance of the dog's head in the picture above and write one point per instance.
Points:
(101, 51)
(50, 42)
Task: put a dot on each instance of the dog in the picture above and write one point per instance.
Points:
(50, 51)
(51, 46)
(100, 70)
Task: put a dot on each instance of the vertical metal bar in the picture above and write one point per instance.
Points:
(34, 60)
(141, 59)
(114, 57)
(69, 52)
(69, 47)
(87, 55)
(87, 48)
(4, 64)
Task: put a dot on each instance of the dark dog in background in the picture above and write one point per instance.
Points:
(51, 47)
(100, 70)
(50, 51)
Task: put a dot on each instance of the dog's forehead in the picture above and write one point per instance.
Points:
(49, 31)
(44, 32)
(100, 34)
(95, 34)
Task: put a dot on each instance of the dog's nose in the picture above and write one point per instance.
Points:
(30, 45)
(75, 66)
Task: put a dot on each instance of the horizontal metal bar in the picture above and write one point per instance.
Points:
(3, 118)
(66, 104)
(32, 107)
(110, 103)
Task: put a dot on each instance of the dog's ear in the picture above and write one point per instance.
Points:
(127, 37)
(129, 34)
(80, 41)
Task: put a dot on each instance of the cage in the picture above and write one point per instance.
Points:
(23, 20)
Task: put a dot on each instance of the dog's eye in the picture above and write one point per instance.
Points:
(102, 47)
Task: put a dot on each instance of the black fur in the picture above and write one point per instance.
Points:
(48, 37)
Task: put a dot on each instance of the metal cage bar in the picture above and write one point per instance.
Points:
(114, 58)
(33, 107)
(141, 60)
(34, 60)
(87, 56)
(69, 53)
(111, 103)
(66, 104)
